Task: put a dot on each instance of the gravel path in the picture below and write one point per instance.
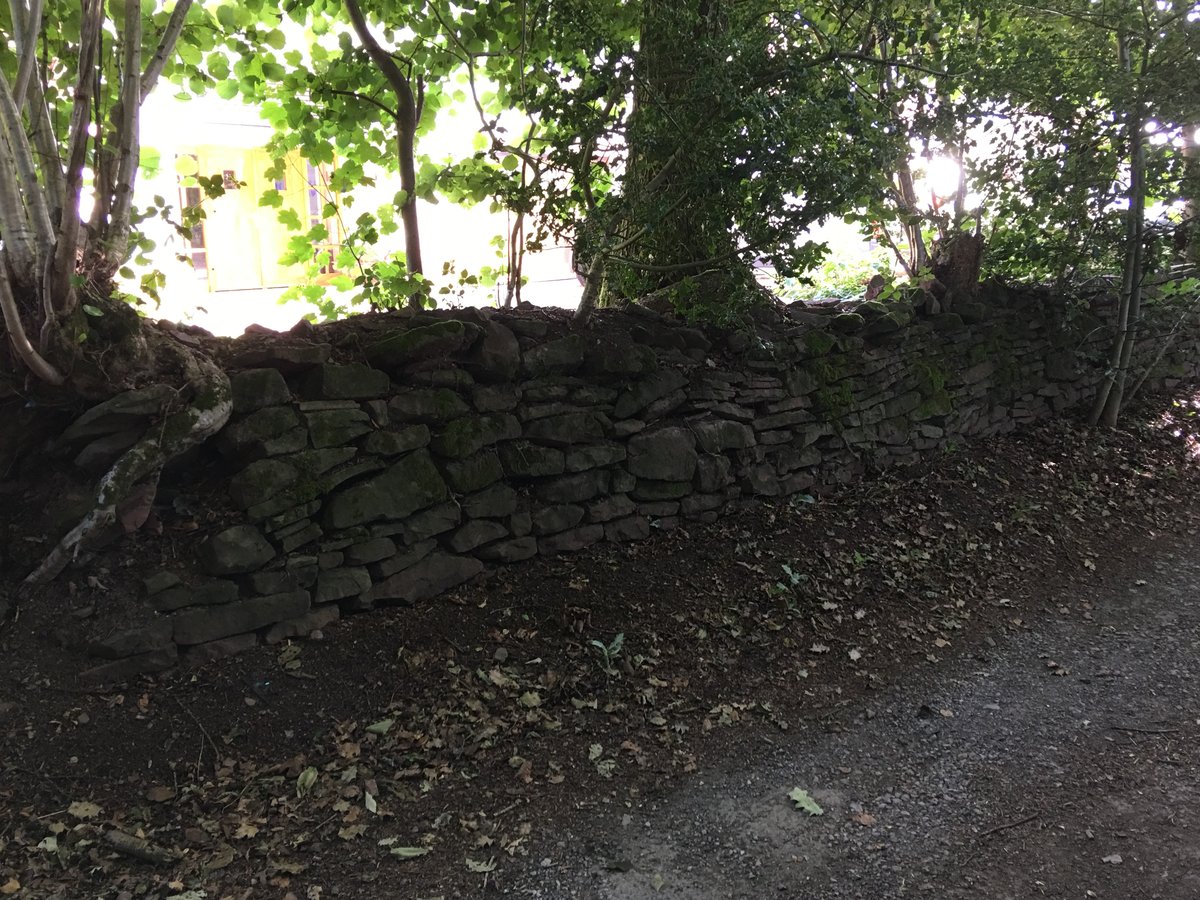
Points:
(1060, 763)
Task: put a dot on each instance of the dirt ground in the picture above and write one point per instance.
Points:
(981, 674)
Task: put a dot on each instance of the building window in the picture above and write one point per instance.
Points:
(325, 252)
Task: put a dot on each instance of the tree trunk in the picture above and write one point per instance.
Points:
(1188, 242)
(406, 132)
(1107, 407)
(682, 227)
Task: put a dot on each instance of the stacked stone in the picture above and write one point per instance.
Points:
(461, 441)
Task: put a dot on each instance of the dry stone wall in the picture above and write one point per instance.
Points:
(396, 464)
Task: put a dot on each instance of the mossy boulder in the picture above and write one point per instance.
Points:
(438, 339)
(409, 485)
(428, 405)
(847, 323)
(260, 481)
(470, 434)
(561, 357)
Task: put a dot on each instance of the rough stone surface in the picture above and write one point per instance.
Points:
(302, 626)
(255, 388)
(335, 427)
(131, 409)
(482, 436)
(427, 405)
(521, 459)
(336, 584)
(264, 432)
(132, 642)
(211, 623)
(404, 348)
(475, 534)
(510, 551)
(474, 473)
(209, 593)
(431, 576)
(553, 519)
(496, 356)
(236, 551)
(666, 454)
(393, 443)
(571, 541)
(470, 434)
(123, 669)
(409, 485)
(346, 382)
(260, 481)
(559, 357)
(494, 502)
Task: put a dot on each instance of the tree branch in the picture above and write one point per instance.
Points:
(67, 246)
(16, 331)
(365, 99)
(126, 119)
(166, 46)
(27, 42)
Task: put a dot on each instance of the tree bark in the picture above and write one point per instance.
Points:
(1107, 407)
(406, 130)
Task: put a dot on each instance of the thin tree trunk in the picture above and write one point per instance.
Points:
(593, 285)
(67, 248)
(127, 136)
(1189, 248)
(1107, 407)
(406, 128)
(918, 253)
(25, 31)
(166, 46)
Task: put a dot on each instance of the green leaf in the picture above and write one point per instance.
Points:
(227, 90)
(305, 781)
(805, 802)
(290, 218)
(93, 311)
(383, 726)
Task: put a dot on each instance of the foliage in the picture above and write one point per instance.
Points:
(838, 277)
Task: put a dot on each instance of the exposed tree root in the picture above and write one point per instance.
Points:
(208, 411)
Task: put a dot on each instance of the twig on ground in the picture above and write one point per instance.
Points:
(1136, 730)
(1007, 825)
(139, 848)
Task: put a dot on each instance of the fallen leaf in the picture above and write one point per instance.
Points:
(864, 818)
(476, 865)
(1113, 858)
(245, 830)
(408, 852)
(161, 793)
(530, 699)
(10, 887)
(82, 809)
(383, 726)
(657, 881)
(305, 780)
(804, 801)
